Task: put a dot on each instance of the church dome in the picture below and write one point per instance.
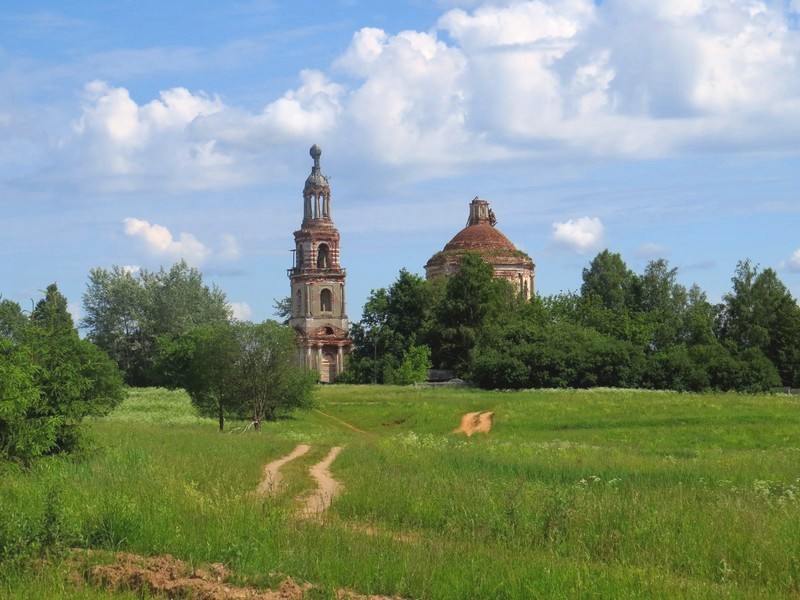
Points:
(481, 237)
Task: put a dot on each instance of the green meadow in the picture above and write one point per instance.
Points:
(573, 494)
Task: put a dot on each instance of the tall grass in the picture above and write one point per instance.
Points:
(603, 493)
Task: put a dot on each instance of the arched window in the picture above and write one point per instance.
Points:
(326, 301)
(299, 297)
(322, 257)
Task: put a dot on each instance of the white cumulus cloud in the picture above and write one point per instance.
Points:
(160, 242)
(409, 106)
(488, 81)
(127, 145)
(307, 112)
(624, 78)
(241, 310)
(793, 264)
(229, 249)
(582, 235)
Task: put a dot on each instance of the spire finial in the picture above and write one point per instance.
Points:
(315, 153)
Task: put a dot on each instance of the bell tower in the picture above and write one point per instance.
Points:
(318, 281)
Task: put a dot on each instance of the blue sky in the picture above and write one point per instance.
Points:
(139, 133)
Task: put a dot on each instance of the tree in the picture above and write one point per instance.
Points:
(699, 318)
(239, 370)
(610, 281)
(408, 305)
(125, 314)
(759, 313)
(203, 362)
(114, 306)
(12, 320)
(73, 376)
(177, 300)
(24, 433)
(394, 324)
(51, 380)
(413, 367)
(473, 301)
(268, 380)
(664, 301)
(283, 309)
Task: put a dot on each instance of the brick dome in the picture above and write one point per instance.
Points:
(481, 236)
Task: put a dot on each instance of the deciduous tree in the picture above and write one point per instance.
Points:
(269, 381)
(125, 314)
(759, 313)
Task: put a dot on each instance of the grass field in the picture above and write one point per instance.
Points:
(573, 494)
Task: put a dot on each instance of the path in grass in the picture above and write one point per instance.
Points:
(327, 486)
(476, 422)
(345, 423)
(272, 476)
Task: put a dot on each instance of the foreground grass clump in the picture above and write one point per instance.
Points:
(601, 493)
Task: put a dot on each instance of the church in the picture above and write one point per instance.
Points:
(318, 312)
(317, 278)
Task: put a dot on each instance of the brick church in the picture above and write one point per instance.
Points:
(318, 281)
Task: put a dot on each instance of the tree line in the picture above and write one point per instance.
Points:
(621, 329)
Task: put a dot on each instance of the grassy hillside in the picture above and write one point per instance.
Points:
(605, 493)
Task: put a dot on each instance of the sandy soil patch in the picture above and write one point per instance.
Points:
(476, 422)
(173, 578)
(272, 476)
(327, 486)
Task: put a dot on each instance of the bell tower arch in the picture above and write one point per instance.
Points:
(318, 281)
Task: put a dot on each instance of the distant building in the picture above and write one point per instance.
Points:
(318, 282)
(482, 237)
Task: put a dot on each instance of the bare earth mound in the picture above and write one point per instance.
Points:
(175, 579)
(476, 422)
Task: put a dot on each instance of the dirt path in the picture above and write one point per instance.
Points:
(327, 486)
(476, 422)
(272, 476)
(345, 423)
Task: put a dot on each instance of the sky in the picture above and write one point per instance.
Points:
(138, 133)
